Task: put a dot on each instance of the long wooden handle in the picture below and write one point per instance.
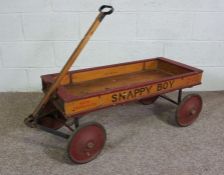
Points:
(72, 59)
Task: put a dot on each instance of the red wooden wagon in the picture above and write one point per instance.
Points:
(70, 95)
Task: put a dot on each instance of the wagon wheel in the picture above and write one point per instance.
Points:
(148, 101)
(53, 120)
(188, 110)
(86, 142)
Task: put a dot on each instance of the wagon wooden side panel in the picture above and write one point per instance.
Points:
(92, 89)
(111, 99)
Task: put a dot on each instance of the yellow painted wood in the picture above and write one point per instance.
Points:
(113, 82)
(84, 105)
(65, 81)
(151, 64)
(171, 68)
(106, 72)
(113, 71)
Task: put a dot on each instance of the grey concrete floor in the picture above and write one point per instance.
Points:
(141, 140)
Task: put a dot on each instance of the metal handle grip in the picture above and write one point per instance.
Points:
(106, 9)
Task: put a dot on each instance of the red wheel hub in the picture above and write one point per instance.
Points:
(148, 101)
(86, 143)
(188, 110)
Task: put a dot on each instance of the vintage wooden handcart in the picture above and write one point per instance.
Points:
(70, 95)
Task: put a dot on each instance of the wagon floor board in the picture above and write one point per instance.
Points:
(113, 82)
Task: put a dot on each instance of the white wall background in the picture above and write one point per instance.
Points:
(37, 37)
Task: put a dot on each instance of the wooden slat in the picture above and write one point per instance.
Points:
(65, 81)
(151, 64)
(107, 72)
(171, 68)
